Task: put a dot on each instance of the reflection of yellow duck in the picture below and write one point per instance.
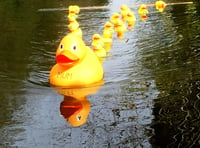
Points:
(124, 9)
(74, 28)
(73, 11)
(75, 111)
(75, 107)
(115, 18)
(107, 35)
(160, 5)
(120, 28)
(77, 65)
(98, 45)
(130, 19)
(142, 11)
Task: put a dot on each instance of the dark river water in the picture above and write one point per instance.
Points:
(151, 91)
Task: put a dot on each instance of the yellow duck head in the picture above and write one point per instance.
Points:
(73, 26)
(70, 50)
(160, 5)
(74, 9)
(98, 45)
(114, 18)
(108, 25)
(75, 111)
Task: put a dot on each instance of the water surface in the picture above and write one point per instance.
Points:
(151, 94)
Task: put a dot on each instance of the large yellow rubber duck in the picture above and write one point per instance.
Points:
(120, 28)
(107, 35)
(160, 5)
(74, 28)
(77, 65)
(142, 11)
(98, 45)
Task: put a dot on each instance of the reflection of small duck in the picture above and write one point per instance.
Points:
(73, 11)
(160, 5)
(124, 9)
(142, 11)
(77, 65)
(98, 45)
(120, 28)
(75, 111)
(74, 28)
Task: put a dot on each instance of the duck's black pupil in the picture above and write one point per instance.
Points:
(74, 47)
(61, 46)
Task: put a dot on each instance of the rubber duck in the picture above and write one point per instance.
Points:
(98, 45)
(124, 9)
(115, 18)
(130, 19)
(107, 35)
(73, 11)
(74, 28)
(77, 65)
(142, 11)
(120, 28)
(160, 5)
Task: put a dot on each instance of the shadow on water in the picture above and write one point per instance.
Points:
(151, 93)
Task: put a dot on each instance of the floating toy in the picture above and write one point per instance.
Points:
(130, 19)
(124, 9)
(107, 35)
(115, 18)
(73, 11)
(160, 5)
(142, 11)
(120, 28)
(74, 28)
(98, 45)
(77, 65)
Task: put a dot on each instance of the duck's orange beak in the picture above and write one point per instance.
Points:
(63, 59)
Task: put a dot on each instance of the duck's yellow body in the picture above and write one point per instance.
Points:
(160, 5)
(77, 65)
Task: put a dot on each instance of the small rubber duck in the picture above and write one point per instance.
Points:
(107, 35)
(160, 5)
(142, 11)
(75, 29)
(73, 11)
(124, 9)
(120, 28)
(130, 19)
(98, 45)
(115, 18)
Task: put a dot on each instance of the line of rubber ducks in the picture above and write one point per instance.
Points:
(78, 65)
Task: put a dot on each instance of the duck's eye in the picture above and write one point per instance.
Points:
(78, 117)
(61, 47)
(74, 47)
